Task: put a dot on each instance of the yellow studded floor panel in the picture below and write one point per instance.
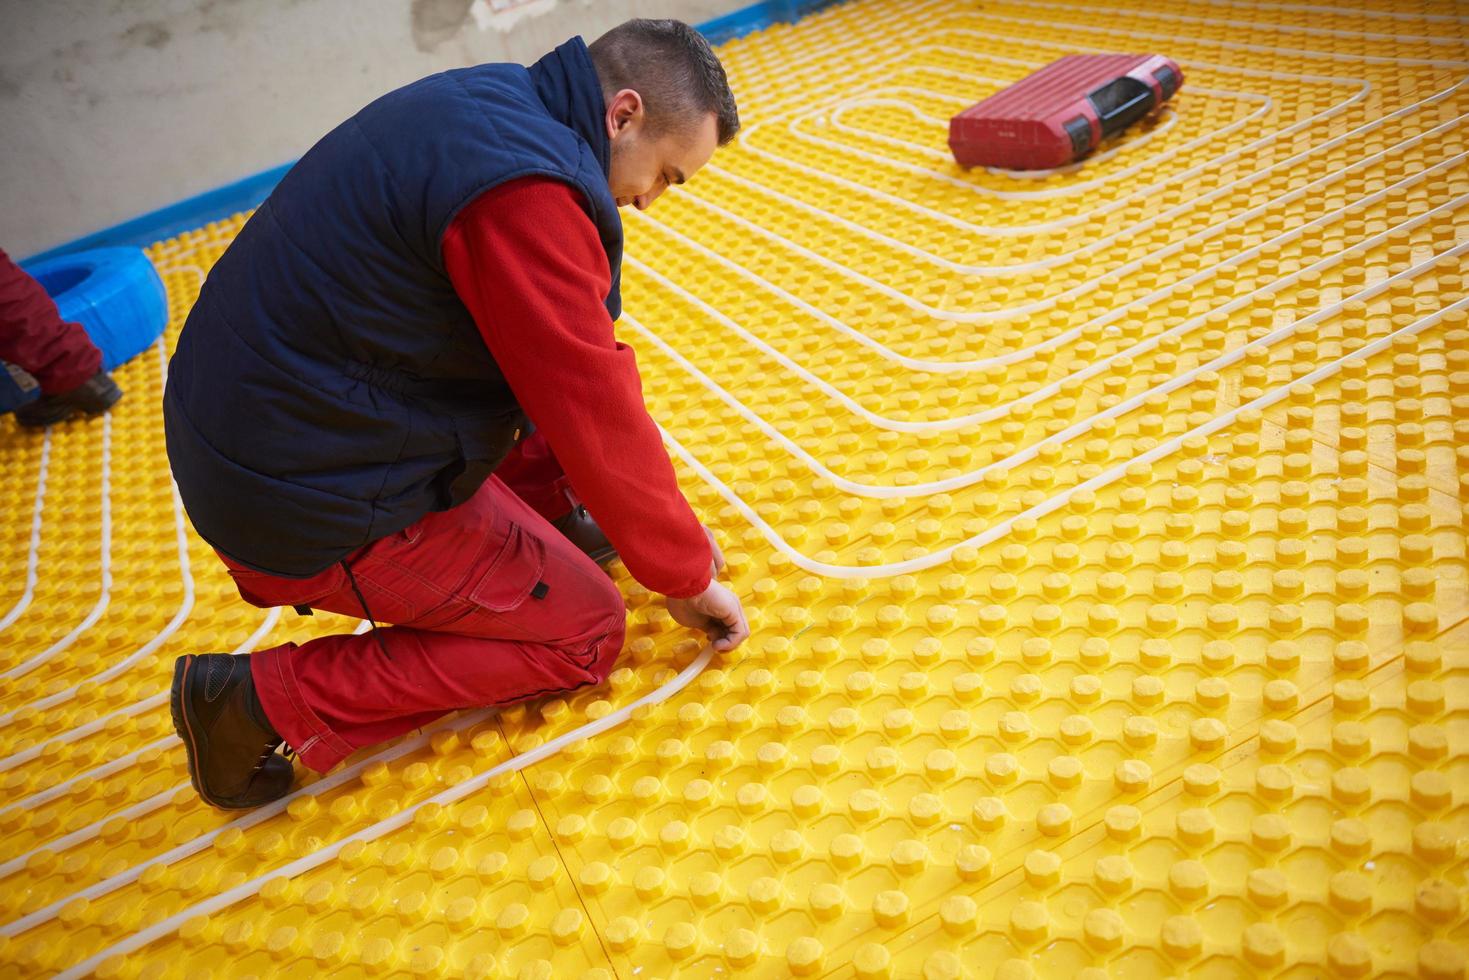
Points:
(1103, 533)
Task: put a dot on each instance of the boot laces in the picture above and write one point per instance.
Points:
(287, 753)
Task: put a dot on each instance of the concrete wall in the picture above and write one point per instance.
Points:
(111, 108)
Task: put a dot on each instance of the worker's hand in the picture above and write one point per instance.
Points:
(717, 612)
(718, 565)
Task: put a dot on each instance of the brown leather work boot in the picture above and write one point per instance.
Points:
(230, 743)
(579, 528)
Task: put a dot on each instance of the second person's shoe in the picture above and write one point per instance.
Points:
(95, 395)
(230, 743)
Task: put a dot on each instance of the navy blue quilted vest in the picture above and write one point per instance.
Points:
(329, 388)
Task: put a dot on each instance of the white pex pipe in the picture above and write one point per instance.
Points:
(137, 707)
(162, 798)
(1079, 217)
(1023, 354)
(905, 24)
(1039, 394)
(903, 21)
(1053, 503)
(248, 820)
(96, 772)
(1205, 42)
(82, 834)
(122, 762)
(982, 315)
(35, 544)
(186, 604)
(158, 800)
(1065, 435)
(1013, 230)
(105, 592)
(82, 731)
(1342, 11)
(1095, 244)
(1426, 39)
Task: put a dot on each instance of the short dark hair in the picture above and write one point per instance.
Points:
(672, 67)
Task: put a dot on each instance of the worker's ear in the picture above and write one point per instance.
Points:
(625, 109)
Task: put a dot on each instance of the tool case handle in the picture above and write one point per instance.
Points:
(1121, 103)
(1124, 101)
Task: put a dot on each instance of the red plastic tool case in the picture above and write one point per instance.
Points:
(1059, 114)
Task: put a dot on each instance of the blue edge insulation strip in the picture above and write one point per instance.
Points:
(242, 195)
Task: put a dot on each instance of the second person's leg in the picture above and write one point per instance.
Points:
(59, 355)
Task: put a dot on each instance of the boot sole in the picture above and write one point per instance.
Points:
(180, 712)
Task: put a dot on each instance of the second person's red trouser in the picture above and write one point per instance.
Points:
(59, 355)
(491, 605)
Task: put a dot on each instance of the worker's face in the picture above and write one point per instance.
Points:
(643, 165)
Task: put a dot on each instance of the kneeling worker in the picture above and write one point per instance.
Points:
(349, 408)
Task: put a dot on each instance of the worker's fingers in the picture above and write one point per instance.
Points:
(730, 640)
(717, 611)
(737, 630)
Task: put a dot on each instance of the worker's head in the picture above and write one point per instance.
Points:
(668, 105)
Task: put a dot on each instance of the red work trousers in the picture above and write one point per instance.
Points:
(59, 355)
(490, 604)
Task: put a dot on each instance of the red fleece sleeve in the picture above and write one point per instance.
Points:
(528, 264)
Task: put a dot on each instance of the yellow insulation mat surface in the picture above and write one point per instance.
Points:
(1102, 533)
